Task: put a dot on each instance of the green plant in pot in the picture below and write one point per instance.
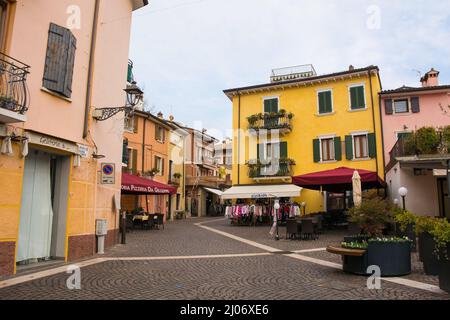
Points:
(424, 226)
(405, 224)
(441, 235)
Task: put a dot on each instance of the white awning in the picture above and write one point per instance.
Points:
(215, 191)
(262, 192)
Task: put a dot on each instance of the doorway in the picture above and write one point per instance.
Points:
(43, 214)
(443, 198)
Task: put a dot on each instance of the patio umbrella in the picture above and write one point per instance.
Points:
(357, 193)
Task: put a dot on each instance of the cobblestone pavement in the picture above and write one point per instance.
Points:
(265, 276)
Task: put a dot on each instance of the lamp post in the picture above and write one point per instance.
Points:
(396, 202)
(277, 208)
(403, 192)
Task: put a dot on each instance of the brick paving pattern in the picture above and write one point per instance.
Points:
(267, 277)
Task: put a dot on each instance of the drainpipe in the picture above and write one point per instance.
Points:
(239, 139)
(87, 108)
(143, 147)
(373, 118)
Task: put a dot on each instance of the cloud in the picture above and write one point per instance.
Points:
(187, 52)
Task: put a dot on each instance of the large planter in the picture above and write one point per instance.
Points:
(393, 258)
(355, 265)
(427, 247)
(357, 238)
(444, 270)
(410, 233)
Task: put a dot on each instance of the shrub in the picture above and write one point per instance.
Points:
(404, 218)
(427, 140)
(424, 224)
(441, 233)
(372, 215)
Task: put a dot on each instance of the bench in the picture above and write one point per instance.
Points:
(346, 252)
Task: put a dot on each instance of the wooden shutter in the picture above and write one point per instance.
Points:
(135, 122)
(388, 108)
(125, 152)
(316, 150)
(349, 147)
(59, 60)
(134, 161)
(259, 149)
(337, 149)
(283, 150)
(271, 105)
(357, 97)
(325, 103)
(162, 166)
(415, 106)
(372, 145)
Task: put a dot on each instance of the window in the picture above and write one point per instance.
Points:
(159, 165)
(361, 146)
(3, 22)
(401, 106)
(132, 161)
(271, 105)
(357, 98)
(325, 101)
(327, 146)
(59, 60)
(160, 134)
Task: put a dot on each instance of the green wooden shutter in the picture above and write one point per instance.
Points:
(349, 147)
(283, 150)
(316, 150)
(337, 149)
(328, 102)
(274, 105)
(357, 97)
(322, 103)
(267, 106)
(361, 97)
(372, 145)
(271, 105)
(325, 103)
(259, 148)
(134, 161)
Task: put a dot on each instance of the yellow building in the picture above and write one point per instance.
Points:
(310, 124)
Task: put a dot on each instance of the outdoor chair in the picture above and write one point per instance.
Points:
(149, 224)
(308, 231)
(291, 229)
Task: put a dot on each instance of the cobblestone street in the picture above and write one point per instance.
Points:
(209, 259)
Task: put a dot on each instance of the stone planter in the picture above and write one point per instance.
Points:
(427, 254)
(393, 258)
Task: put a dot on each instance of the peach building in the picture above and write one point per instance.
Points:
(60, 60)
(405, 110)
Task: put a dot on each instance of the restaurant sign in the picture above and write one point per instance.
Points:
(144, 189)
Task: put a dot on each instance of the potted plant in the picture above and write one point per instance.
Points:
(405, 224)
(7, 103)
(427, 244)
(441, 235)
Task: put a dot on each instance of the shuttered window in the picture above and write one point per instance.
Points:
(125, 155)
(271, 105)
(337, 149)
(160, 136)
(316, 150)
(357, 98)
(401, 106)
(325, 102)
(327, 148)
(415, 106)
(59, 60)
(388, 108)
(159, 165)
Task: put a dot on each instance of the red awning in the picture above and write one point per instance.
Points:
(338, 180)
(136, 185)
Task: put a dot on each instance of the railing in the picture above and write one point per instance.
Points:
(284, 168)
(14, 95)
(269, 121)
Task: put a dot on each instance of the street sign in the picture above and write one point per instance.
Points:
(108, 173)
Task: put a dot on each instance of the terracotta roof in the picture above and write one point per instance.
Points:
(283, 83)
(413, 89)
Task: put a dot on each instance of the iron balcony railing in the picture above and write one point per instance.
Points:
(280, 168)
(14, 94)
(271, 121)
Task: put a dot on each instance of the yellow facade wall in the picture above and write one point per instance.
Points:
(307, 125)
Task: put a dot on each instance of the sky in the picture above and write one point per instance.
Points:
(186, 52)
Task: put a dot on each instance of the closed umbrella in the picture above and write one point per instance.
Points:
(357, 193)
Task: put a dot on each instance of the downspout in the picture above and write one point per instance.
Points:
(143, 147)
(373, 119)
(239, 139)
(87, 108)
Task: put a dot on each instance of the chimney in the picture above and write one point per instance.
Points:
(430, 79)
(351, 68)
(160, 115)
(171, 118)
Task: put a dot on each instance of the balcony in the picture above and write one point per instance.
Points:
(205, 181)
(280, 121)
(271, 170)
(425, 144)
(14, 95)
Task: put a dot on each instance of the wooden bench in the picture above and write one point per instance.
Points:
(346, 252)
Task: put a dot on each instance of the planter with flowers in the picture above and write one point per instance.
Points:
(391, 254)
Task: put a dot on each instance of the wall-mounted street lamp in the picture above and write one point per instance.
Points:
(134, 96)
(403, 192)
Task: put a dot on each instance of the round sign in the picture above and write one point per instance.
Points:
(108, 169)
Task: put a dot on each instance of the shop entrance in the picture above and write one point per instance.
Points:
(43, 215)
